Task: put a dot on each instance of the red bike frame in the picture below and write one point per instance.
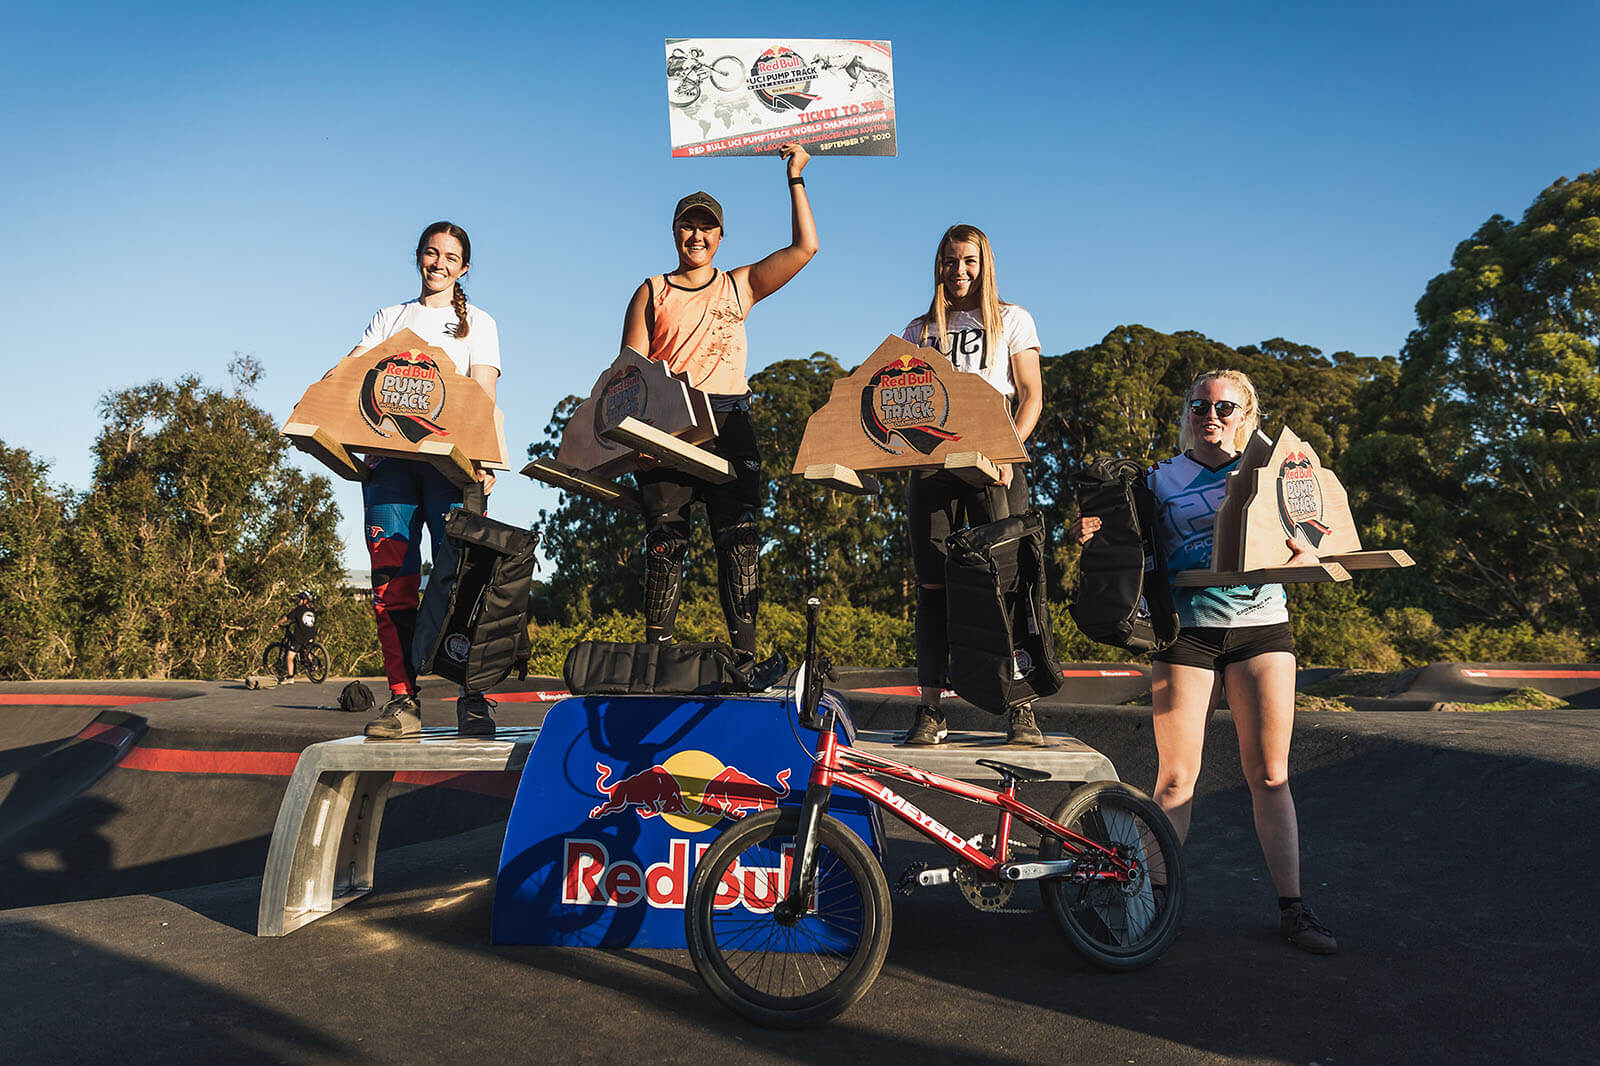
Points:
(836, 761)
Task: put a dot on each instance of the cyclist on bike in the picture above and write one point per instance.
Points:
(299, 629)
(692, 318)
(1239, 636)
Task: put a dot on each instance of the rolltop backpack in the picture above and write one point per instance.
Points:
(1002, 653)
(1124, 596)
(473, 617)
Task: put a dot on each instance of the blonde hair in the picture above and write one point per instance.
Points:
(1252, 408)
(989, 302)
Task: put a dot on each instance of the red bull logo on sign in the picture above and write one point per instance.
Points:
(594, 879)
(692, 790)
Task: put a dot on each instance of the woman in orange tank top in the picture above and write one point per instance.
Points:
(692, 319)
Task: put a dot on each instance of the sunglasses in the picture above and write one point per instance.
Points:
(1224, 408)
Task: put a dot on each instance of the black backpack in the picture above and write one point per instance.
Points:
(356, 697)
(471, 619)
(1124, 595)
(710, 668)
(1002, 653)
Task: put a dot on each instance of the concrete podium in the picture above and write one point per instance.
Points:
(325, 842)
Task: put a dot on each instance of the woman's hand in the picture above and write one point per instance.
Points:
(1083, 528)
(488, 481)
(1005, 475)
(796, 155)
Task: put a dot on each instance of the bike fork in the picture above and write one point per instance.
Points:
(803, 871)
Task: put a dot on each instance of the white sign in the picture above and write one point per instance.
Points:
(747, 95)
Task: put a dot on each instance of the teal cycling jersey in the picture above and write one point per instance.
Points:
(1189, 494)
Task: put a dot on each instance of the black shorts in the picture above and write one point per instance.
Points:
(1212, 648)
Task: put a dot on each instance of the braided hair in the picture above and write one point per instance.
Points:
(458, 299)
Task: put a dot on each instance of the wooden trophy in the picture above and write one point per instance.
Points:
(907, 408)
(402, 398)
(637, 407)
(1282, 492)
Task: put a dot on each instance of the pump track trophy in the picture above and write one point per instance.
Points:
(1282, 492)
(637, 408)
(907, 408)
(404, 399)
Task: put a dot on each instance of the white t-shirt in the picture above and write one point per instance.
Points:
(965, 345)
(437, 326)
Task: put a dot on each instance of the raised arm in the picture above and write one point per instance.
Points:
(773, 273)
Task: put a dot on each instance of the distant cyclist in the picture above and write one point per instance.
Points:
(299, 628)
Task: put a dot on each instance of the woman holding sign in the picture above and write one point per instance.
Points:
(1236, 639)
(980, 334)
(400, 496)
(692, 318)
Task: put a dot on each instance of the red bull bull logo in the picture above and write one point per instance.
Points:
(692, 790)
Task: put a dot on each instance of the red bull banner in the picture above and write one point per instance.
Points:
(747, 95)
(620, 798)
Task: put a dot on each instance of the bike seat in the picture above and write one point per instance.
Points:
(1021, 773)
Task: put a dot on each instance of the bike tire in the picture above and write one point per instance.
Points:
(315, 659)
(683, 93)
(740, 953)
(726, 73)
(275, 660)
(1118, 926)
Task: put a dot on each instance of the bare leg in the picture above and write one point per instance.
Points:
(1261, 694)
(1184, 698)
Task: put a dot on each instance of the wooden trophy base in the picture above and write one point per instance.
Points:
(645, 439)
(1331, 568)
(974, 468)
(317, 442)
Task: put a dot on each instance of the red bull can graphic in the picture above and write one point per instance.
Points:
(621, 797)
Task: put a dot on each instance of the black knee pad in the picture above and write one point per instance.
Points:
(739, 580)
(664, 551)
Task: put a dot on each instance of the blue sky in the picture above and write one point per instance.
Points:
(184, 181)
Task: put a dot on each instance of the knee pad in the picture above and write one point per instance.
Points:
(739, 580)
(664, 551)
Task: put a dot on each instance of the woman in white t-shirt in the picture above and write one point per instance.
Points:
(400, 496)
(980, 334)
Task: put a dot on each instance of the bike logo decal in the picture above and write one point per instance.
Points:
(407, 391)
(692, 790)
(456, 646)
(781, 79)
(1300, 505)
(906, 399)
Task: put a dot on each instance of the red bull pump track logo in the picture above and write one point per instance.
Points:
(692, 791)
(906, 399)
(1300, 506)
(407, 391)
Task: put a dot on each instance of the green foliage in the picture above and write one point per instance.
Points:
(851, 636)
(1333, 627)
(1482, 452)
(184, 553)
(35, 571)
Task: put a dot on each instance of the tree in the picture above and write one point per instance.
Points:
(35, 589)
(195, 532)
(1481, 451)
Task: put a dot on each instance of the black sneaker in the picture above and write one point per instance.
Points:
(1301, 928)
(475, 715)
(929, 728)
(1024, 730)
(401, 717)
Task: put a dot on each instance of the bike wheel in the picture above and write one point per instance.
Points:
(683, 91)
(797, 974)
(726, 73)
(275, 660)
(316, 663)
(1118, 925)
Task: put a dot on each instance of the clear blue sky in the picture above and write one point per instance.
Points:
(183, 181)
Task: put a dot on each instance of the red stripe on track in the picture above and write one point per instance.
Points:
(1547, 675)
(74, 699)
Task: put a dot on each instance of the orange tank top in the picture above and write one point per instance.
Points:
(700, 333)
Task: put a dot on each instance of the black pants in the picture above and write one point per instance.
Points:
(937, 505)
(733, 510)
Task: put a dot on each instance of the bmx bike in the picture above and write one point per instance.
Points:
(1108, 865)
(690, 72)
(313, 660)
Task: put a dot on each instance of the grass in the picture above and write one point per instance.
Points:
(1522, 699)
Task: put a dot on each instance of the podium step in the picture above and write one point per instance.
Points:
(1063, 757)
(325, 842)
